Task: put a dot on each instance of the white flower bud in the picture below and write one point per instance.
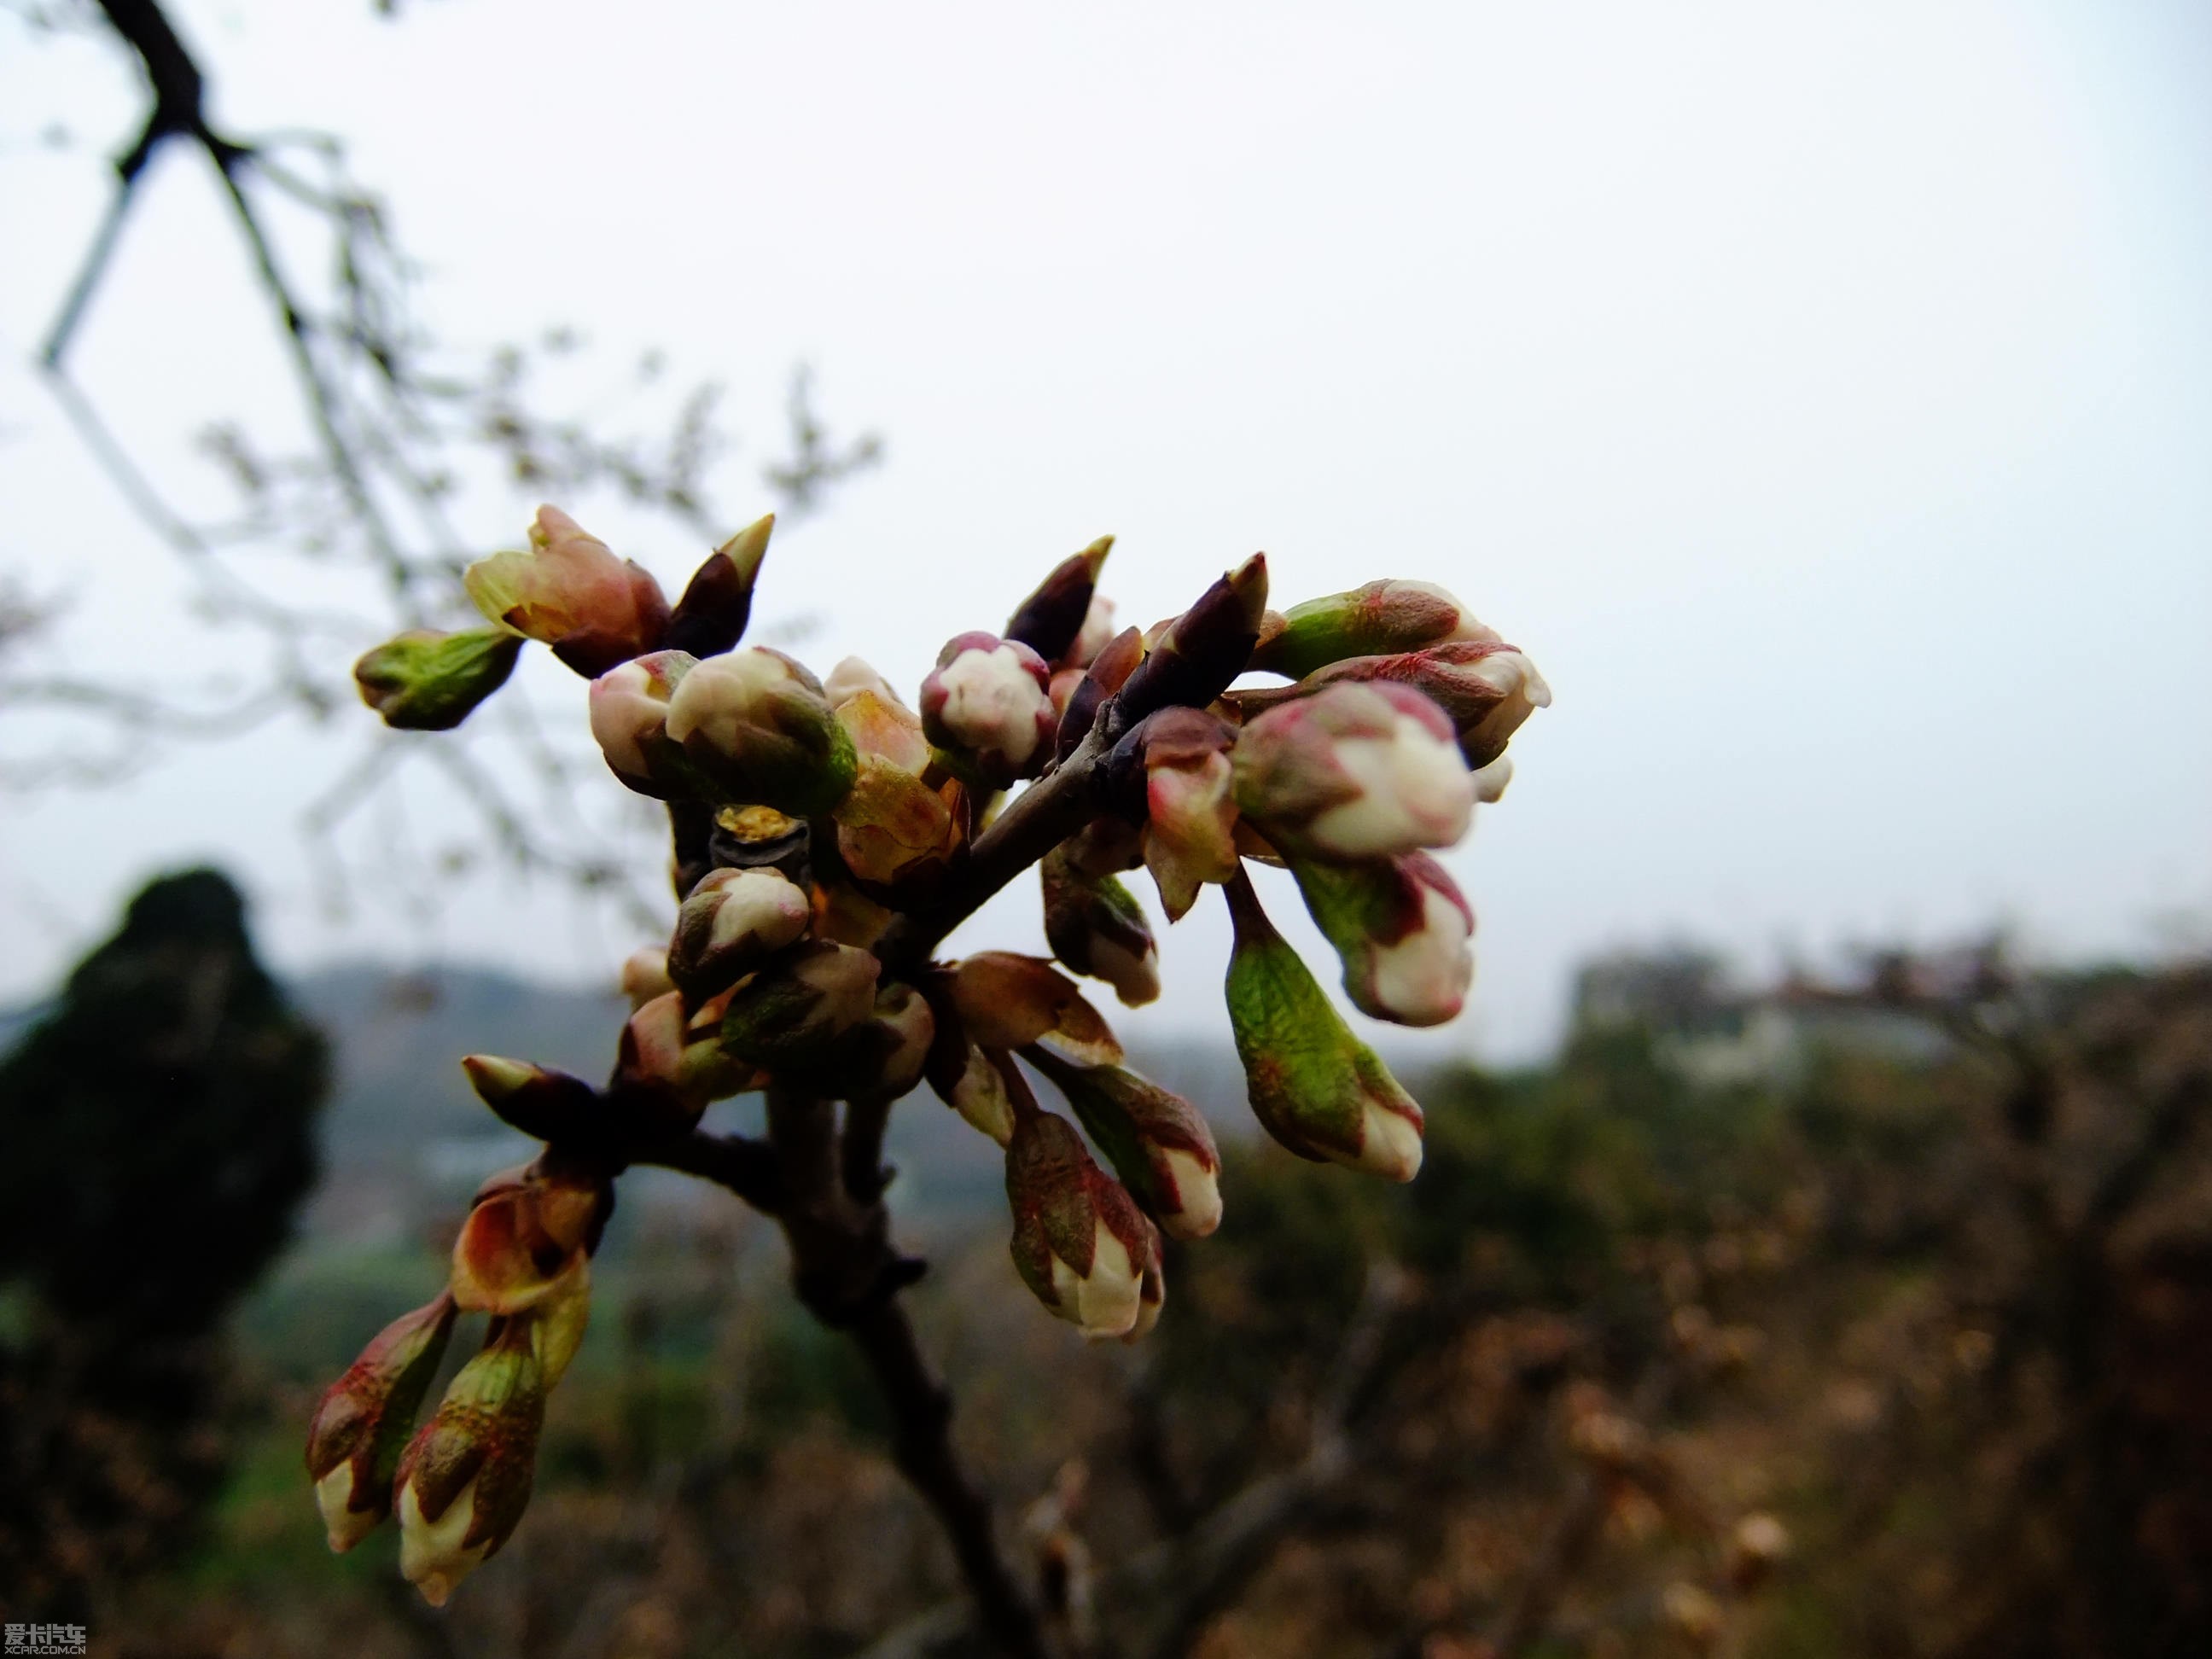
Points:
(991, 699)
(853, 676)
(1355, 771)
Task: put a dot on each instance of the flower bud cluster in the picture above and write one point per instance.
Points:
(460, 1483)
(830, 836)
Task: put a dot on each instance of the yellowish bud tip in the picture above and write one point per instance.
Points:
(1095, 555)
(1249, 583)
(495, 1078)
(749, 546)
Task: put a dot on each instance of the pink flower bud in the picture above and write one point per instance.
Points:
(364, 1419)
(733, 921)
(795, 1008)
(1093, 637)
(1486, 689)
(630, 719)
(1155, 1140)
(988, 701)
(1520, 691)
(1095, 926)
(1079, 1243)
(1401, 926)
(1353, 772)
(645, 976)
(571, 593)
(1190, 827)
(976, 1091)
(757, 725)
(882, 1057)
(1314, 1086)
(1380, 617)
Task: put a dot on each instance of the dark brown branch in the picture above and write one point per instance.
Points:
(921, 1447)
(745, 1167)
(1035, 822)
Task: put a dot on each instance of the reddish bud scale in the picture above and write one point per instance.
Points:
(1080, 1241)
(1201, 650)
(1402, 927)
(1157, 1141)
(1095, 926)
(1486, 687)
(464, 1480)
(718, 601)
(1048, 620)
(1381, 616)
(362, 1423)
(547, 1104)
(1109, 671)
(1006, 1000)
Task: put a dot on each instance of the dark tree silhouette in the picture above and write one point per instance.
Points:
(159, 1128)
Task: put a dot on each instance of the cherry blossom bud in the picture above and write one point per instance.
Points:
(853, 676)
(464, 1480)
(1097, 630)
(975, 1090)
(529, 1230)
(1486, 689)
(800, 1003)
(535, 1099)
(733, 921)
(1095, 926)
(1051, 620)
(1190, 817)
(891, 821)
(1105, 847)
(1203, 649)
(1353, 772)
(1380, 617)
(1314, 1085)
(989, 702)
(630, 719)
(1005, 1001)
(1155, 1140)
(757, 725)
(426, 681)
(1079, 1242)
(645, 975)
(571, 593)
(1108, 672)
(882, 1057)
(1401, 926)
(718, 602)
(364, 1419)
(673, 1062)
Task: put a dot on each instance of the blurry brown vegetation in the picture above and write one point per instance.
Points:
(1858, 1321)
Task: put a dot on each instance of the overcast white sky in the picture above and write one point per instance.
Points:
(1823, 396)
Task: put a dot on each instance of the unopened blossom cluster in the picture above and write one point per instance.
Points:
(840, 831)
